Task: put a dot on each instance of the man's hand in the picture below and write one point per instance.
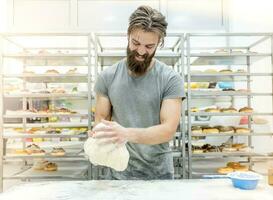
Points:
(112, 133)
(90, 133)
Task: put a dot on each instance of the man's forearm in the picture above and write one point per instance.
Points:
(152, 135)
(98, 118)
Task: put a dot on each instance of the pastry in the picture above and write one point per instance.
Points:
(58, 90)
(212, 110)
(21, 151)
(197, 151)
(43, 92)
(242, 130)
(225, 71)
(43, 51)
(196, 130)
(194, 109)
(229, 149)
(58, 151)
(210, 148)
(43, 112)
(243, 90)
(224, 170)
(226, 129)
(32, 130)
(193, 85)
(260, 120)
(50, 166)
(64, 110)
(210, 71)
(238, 146)
(233, 164)
(40, 165)
(246, 109)
(228, 110)
(203, 85)
(32, 148)
(37, 152)
(71, 71)
(245, 149)
(213, 149)
(222, 51)
(52, 71)
(210, 130)
(53, 131)
(241, 168)
(228, 89)
(236, 166)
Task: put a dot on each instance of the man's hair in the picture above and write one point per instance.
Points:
(148, 19)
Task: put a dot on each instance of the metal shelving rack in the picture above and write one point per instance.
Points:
(82, 59)
(171, 54)
(196, 57)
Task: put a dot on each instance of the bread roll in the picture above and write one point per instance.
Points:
(246, 109)
(50, 167)
(212, 110)
(224, 170)
(228, 110)
(242, 130)
(210, 130)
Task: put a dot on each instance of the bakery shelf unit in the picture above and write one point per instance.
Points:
(46, 104)
(111, 48)
(224, 73)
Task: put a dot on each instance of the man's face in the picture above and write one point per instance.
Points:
(141, 50)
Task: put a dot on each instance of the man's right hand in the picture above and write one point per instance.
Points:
(90, 133)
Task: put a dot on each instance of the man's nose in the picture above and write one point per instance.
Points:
(141, 51)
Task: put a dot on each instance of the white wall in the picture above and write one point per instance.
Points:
(111, 15)
(3, 15)
(251, 15)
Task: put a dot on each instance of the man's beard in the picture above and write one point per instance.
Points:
(138, 67)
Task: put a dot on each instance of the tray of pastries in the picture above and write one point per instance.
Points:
(231, 167)
(219, 129)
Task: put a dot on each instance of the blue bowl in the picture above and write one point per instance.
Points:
(244, 180)
(225, 85)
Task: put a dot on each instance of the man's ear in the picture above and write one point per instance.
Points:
(160, 43)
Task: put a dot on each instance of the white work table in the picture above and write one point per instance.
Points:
(211, 189)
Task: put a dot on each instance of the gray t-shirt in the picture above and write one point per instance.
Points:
(136, 103)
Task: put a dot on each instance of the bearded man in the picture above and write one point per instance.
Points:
(139, 99)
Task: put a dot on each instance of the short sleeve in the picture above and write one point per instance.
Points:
(174, 87)
(100, 86)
